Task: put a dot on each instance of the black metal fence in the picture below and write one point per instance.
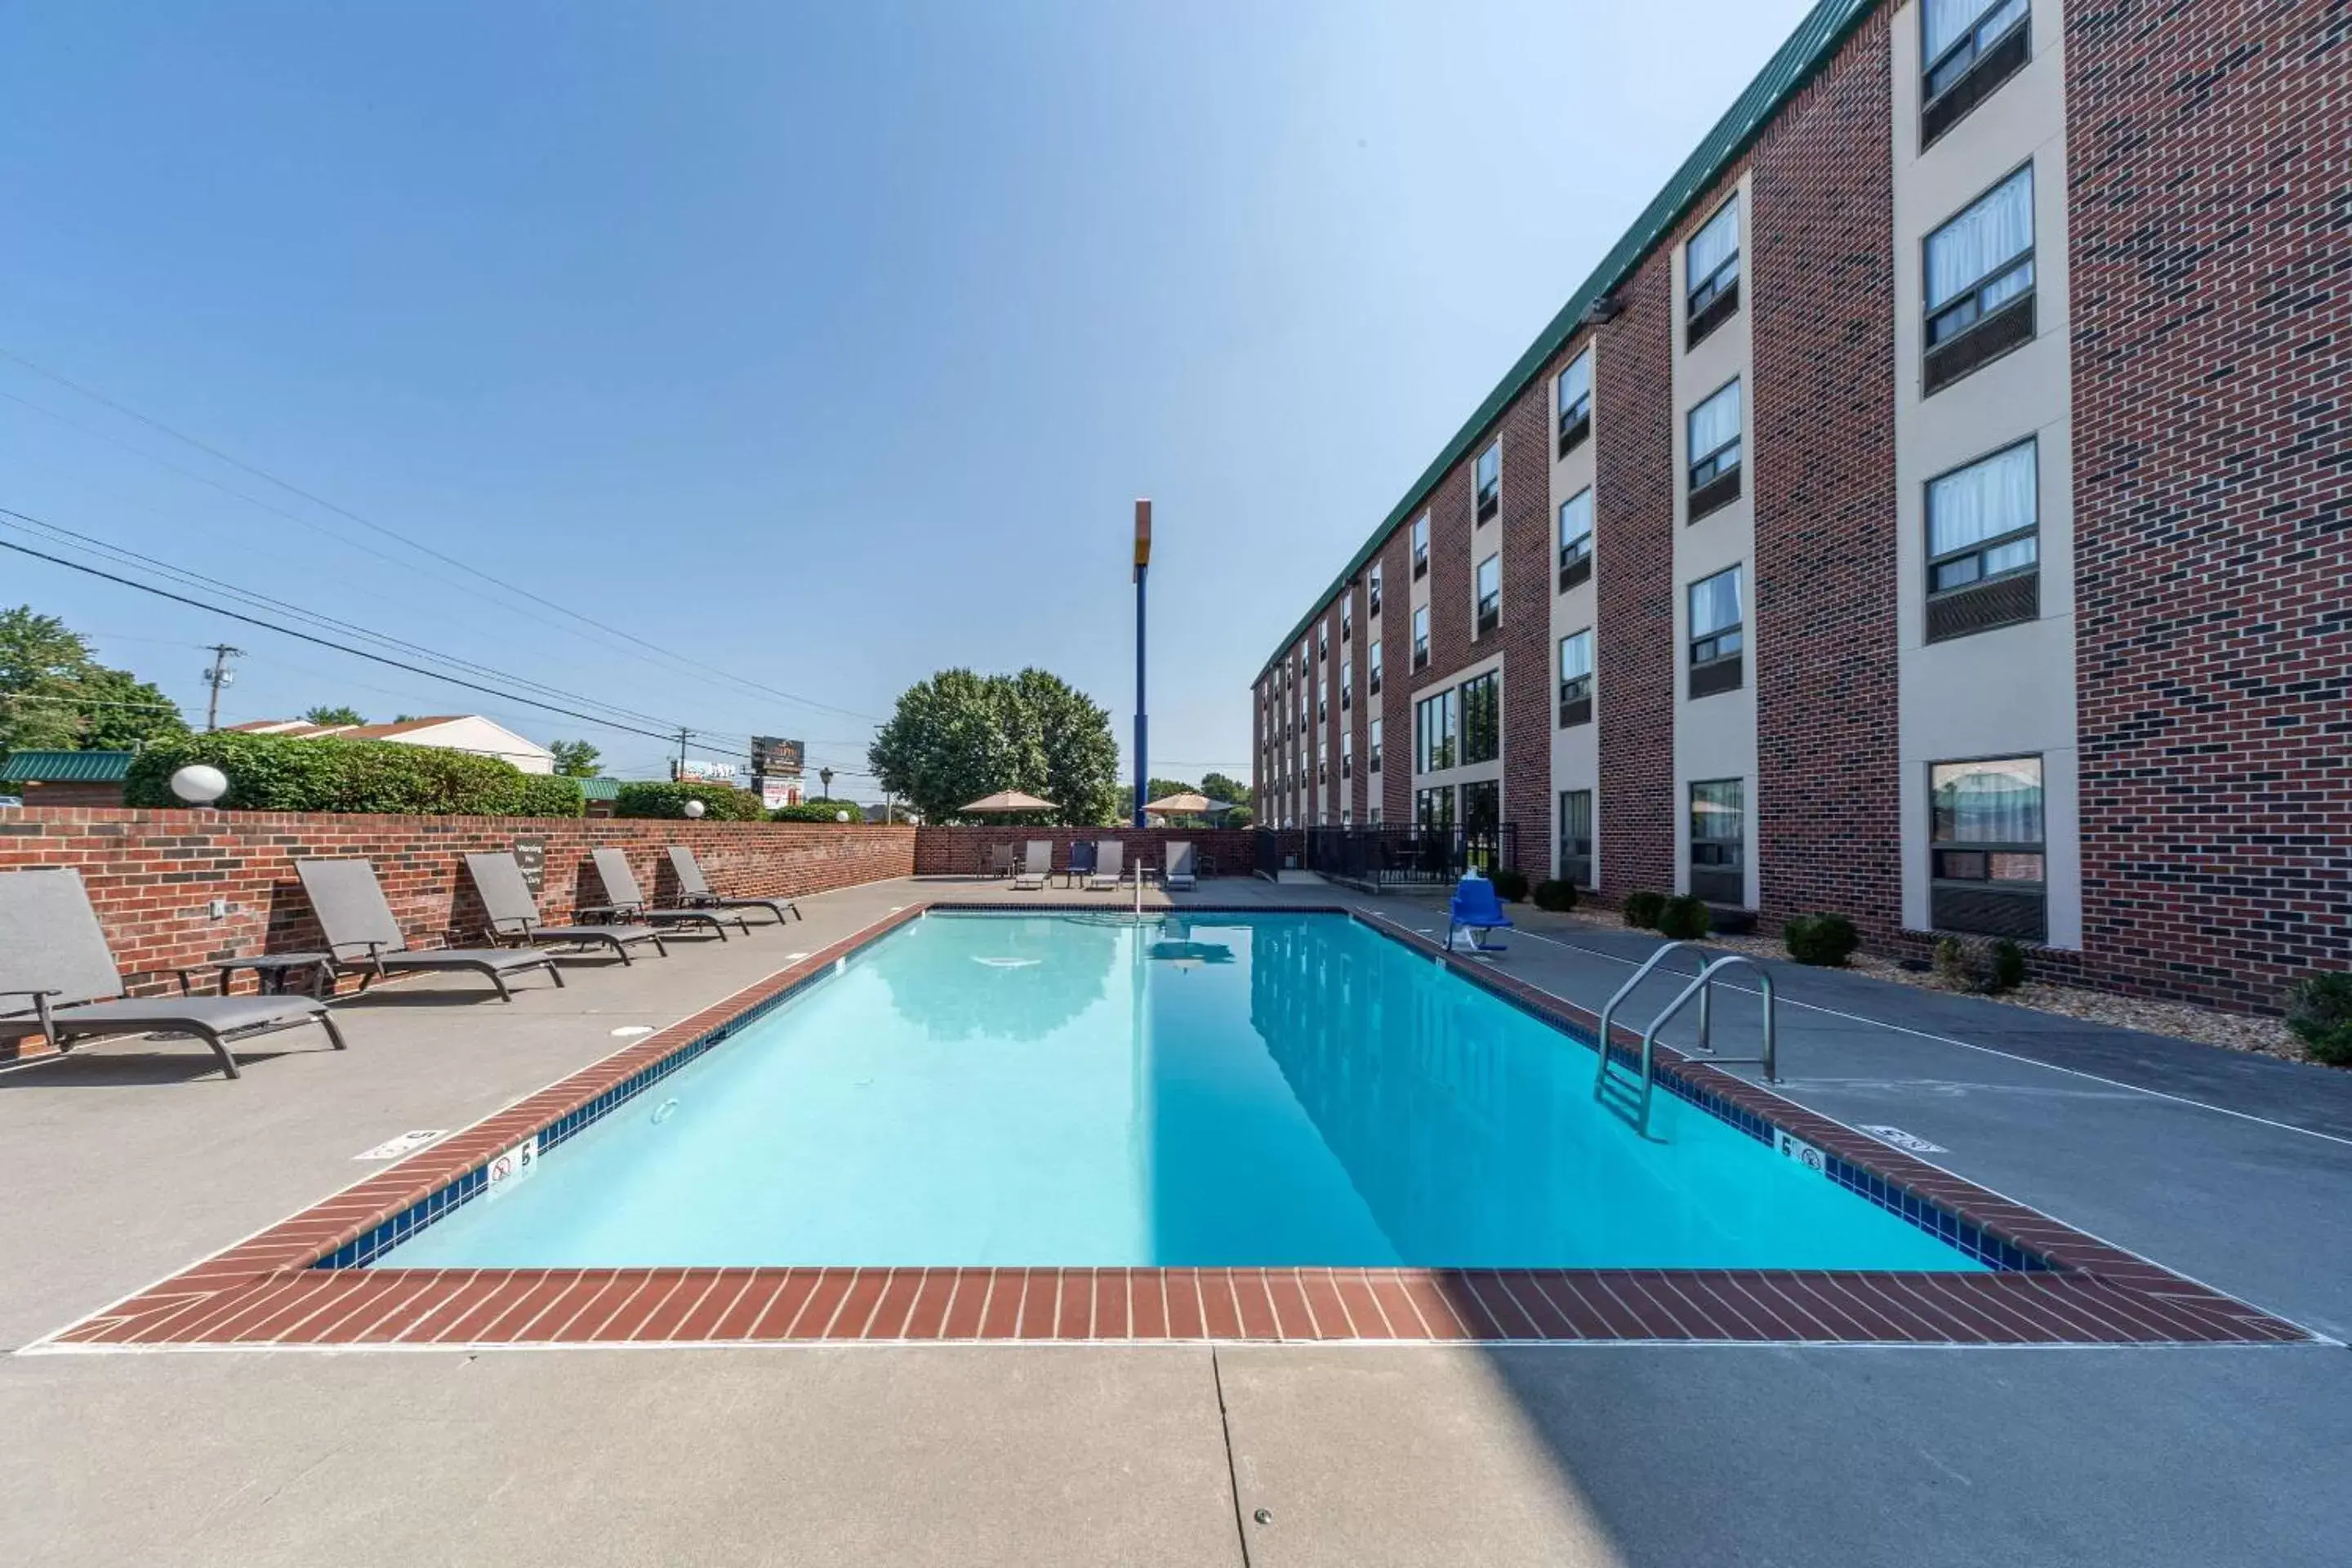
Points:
(1388, 855)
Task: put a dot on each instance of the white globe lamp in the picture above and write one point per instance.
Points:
(695, 808)
(841, 816)
(199, 784)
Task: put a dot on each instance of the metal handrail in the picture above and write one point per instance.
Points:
(1601, 1072)
(1701, 985)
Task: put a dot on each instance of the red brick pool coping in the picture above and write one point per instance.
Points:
(266, 1292)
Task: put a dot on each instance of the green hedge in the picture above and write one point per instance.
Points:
(1641, 907)
(722, 803)
(1828, 940)
(1555, 894)
(1509, 884)
(277, 773)
(818, 810)
(2319, 1011)
(1684, 918)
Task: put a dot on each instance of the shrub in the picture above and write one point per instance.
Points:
(1824, 939)
(722, 803)
(1642, 907)
(1509, 884)
(1977, 964)
(2319, 1011)
(818, 810)
(279, 773)
(1685, 918)
(2008, 964)
(1554, 895)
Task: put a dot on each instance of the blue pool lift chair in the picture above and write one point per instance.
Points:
(1476, 910)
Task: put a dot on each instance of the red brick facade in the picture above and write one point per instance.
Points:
(1828, 783)
(2210, 156)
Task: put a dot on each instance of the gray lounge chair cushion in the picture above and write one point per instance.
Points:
(513, 912)
(620, 882)
(625, 935)
(696, 887)
(221, 1014)
(349, 902)
(1178, 870)
(498, 958)
(1036, 864)
(50, 940)
(1110, 856)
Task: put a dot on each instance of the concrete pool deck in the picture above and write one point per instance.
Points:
(133, 1160)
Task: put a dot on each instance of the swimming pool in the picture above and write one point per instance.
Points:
(1081, 1091)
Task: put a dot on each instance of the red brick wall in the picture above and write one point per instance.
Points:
(1633, 576)
(2210, 150)
(150, 874)
(1531, 582)
(1396, 677)
(1826, 576)
(962, 851)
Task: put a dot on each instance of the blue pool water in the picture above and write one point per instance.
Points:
(1217, 1089)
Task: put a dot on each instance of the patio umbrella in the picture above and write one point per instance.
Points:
(1188, 803)
(1010, 800)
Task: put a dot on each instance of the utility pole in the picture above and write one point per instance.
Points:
(1142, 565)
(218, 675)
(682, 735)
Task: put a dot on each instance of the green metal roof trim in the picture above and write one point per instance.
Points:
(66, 767)
(600, 789)
(1795, 64)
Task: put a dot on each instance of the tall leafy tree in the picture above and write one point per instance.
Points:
(959, 735)
(576, 758)
(1217, 787)
(54, 696)
(338, 714)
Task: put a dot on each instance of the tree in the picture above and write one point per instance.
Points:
(576, 758)
(959, 735)
(322, 717)
(54, 696)
(1217, 787)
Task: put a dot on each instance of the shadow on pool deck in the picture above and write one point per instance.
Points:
(125, 1169)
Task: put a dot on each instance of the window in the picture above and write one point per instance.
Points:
(1967, 49)
(1373, 751)
(1576, 837)
(1714, 634)
(1481, 709)
(1323, 642)
(1323, 700)
(1421, 638)
(1576, 680)
(1987, 857)
(1482, 818)
(1421, 546)
(1489, 476)
(1347, 754)
(1711, 272)
(1434, 808)
(1322, 763)
(1348, 618)
(1372, 596)
(1718, 842)
(1433, 734)
(1376, 814)
(1983, 545)
(1347, 687)
(1575, 402)
(1372, 669)
(1979, 283)
(1714, 452)
(1576, 539)
(1490, 593)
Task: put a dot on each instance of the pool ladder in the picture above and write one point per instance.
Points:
(1629, 1097)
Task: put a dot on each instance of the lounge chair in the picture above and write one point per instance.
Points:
(363, 936)
(1475, 910)
(628, 900)
(1178, 870)
(1081, 862)
(1000, 859)
(1110, 861)
(1036, 864)
(694, 889)
(53, 956)
(514, 913)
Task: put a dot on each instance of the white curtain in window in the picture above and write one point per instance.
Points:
(1715, 421)
(1989, 802)
(1716, 813)
(1944, 21)
(1714, 602)
(1713, 246)
(1983, 500)
(1576, 382)
(1576, 655)
(1576, 518)
(1996, 230)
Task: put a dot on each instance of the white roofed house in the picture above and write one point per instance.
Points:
(452, 731)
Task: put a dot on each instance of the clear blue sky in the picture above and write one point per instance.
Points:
(828, 344)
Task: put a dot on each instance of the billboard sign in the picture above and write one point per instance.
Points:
(773, 758)
(690, 769)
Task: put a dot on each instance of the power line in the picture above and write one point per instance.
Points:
(339, 511)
